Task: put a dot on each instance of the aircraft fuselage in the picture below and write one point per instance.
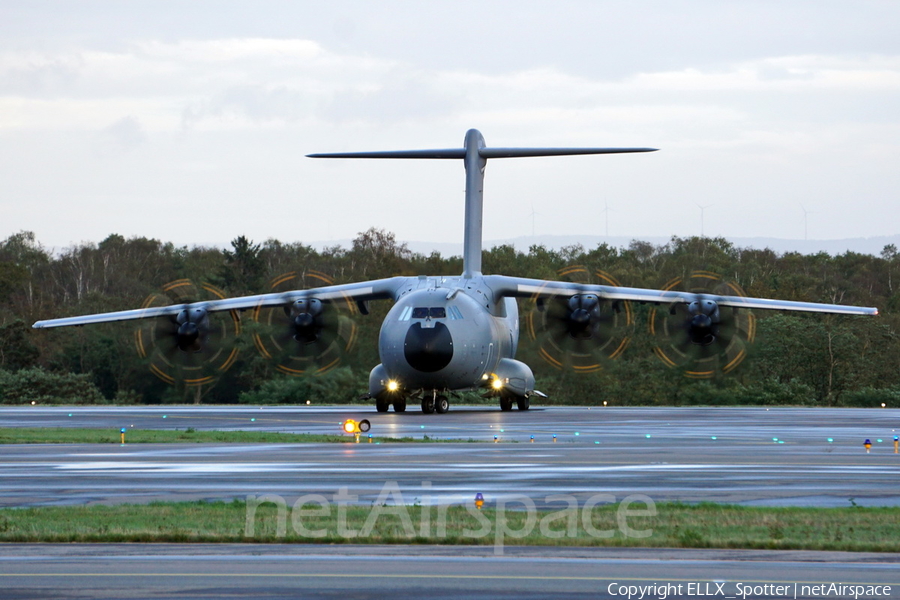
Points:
(445, 334)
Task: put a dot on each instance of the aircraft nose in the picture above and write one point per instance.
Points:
(428, 350)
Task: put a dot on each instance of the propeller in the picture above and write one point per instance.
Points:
(305, 335)
(701, 337)
(191, 346)
(579, 331)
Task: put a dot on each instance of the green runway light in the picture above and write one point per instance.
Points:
(647, 436)
(830, 440)
(501, 431)
(780, 441)
(879, 440)
(70, 414)
(252, 419)
(713, 438)
(596, 442)
(774, 439)
(422, 427)
(164, 416)
(576, 433)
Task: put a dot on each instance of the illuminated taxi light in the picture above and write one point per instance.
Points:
(393, 386)
(497, 384)
(356, 427)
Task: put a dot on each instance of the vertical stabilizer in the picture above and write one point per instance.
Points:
(475, 164)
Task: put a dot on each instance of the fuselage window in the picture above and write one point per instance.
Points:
(454, 313)
(420, 312)
(437, 312)
(404, 316)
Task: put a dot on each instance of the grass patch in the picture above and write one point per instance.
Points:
(76, 435)
(673, 525)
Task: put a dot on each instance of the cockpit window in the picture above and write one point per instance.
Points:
(424, 312)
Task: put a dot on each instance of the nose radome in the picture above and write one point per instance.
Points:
(428, 350)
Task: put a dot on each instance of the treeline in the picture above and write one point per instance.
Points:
(796, 359)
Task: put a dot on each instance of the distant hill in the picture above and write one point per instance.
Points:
(872, 245)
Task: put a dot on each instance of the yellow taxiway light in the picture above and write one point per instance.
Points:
(357, 427)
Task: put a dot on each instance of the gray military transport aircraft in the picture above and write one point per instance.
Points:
(456, 333)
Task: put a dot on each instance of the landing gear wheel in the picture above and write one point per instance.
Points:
(442, 405)
(382, 405)
(523, 403)
(427, 405)
(505, 404)
(400, 405)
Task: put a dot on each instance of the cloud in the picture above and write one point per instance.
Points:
(124, 135)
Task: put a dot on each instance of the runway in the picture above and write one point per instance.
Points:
(135, 571)
(749, 456)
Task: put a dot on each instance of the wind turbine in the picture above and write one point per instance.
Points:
(702, 210)
(533, 214)
(605, 212)
(805, 215)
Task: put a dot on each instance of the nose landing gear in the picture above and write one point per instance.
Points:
(435, 402)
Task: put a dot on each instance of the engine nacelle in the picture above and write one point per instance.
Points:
(703, 325)
(193, 329)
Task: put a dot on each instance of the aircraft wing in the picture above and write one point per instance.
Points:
(357, 292)
(536, 288)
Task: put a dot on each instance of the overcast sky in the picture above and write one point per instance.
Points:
(189, 121)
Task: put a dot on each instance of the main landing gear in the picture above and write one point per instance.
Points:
(383, 404)
(522, 403)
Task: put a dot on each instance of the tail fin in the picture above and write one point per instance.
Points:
(475, 154)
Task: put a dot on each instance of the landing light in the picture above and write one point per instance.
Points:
(497, 384)
(393, 386)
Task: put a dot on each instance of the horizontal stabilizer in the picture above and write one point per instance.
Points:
(482, 152)
(523, 152)
(446, 153)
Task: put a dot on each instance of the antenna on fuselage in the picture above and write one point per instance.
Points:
(475, 155)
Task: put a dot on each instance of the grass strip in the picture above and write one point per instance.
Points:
(77, 435)
(673, 525)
